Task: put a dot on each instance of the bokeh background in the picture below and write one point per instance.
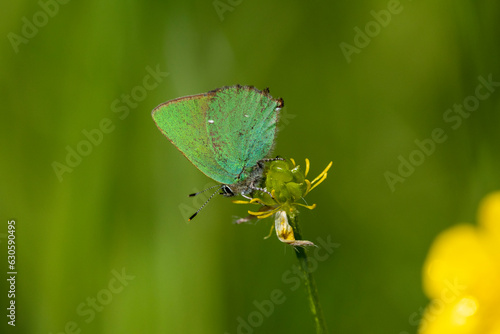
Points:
(122, 208)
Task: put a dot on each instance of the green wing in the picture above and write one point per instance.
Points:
(222, 132)
(184, 122)
(241, 127)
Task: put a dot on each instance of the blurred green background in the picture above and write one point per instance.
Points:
(121, 209)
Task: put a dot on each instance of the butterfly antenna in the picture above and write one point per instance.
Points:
(199, 192)
(208, 200)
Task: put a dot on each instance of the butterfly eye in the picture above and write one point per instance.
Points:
(226, 191)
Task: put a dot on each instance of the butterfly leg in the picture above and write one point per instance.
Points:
(247, 197)
(271, 159)
(264, 190)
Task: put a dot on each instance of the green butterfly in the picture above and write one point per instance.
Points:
(226, 133)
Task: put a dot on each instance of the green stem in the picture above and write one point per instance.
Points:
(312, 291)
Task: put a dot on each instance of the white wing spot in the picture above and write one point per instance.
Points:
(211, 121)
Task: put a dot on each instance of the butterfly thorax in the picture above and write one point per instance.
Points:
(251, 182)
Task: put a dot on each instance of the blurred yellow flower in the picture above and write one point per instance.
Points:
(461, 276)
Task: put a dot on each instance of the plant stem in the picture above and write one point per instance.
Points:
(312, 291)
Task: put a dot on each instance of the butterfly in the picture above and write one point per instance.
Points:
(226, 133)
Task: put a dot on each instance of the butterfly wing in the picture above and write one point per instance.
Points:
(242, 127)
(222, 132)
(184, 122)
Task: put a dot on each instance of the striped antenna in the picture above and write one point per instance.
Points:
(199, 192)
(208, 200)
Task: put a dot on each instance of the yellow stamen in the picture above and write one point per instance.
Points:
(270, 233)
(293, 162)
(256, 201)
(262, 214)
(310, 207)
(307, 167)
(269, 214)
(323, 177)
(322, 173)
(252, 201)
(241, 202)
(257, 213)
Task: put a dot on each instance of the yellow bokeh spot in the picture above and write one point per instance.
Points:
(464, 309)
(462, 275)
